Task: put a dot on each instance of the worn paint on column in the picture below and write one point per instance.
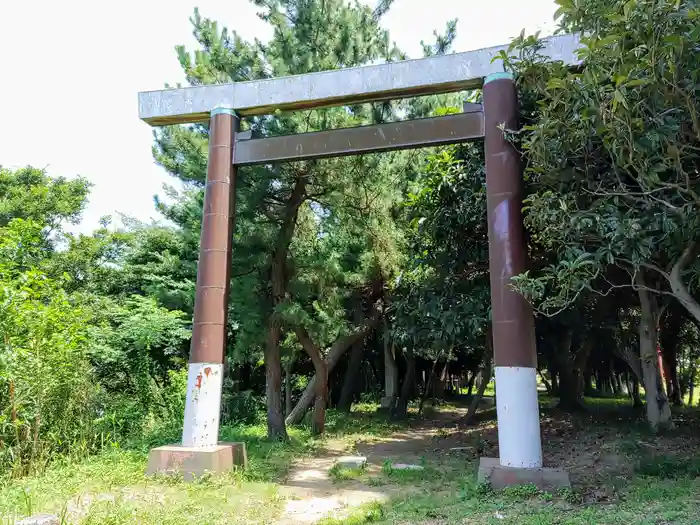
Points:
(515, 353)
(205, 372)
(203, 404)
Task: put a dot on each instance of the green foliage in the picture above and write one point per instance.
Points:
(245, 407)
(570, 496)
(83, 361)
(47, 397)
(30, 194)
(409, 476)
(612, 151)
(340, 473)
(370, 513)
(338, 234)
(441, 300)
(136, 343)
(521, 492)
(138, 354)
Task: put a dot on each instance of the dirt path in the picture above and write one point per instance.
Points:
(312, 494)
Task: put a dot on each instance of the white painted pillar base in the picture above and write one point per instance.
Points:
(519, 441)
(203, 404)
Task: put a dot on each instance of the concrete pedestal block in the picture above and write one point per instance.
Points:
(352, 461)
(491, 471)
(193, 462)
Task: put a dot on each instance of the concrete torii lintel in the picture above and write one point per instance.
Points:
(409, 78)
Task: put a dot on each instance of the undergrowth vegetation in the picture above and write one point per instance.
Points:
(110, 487)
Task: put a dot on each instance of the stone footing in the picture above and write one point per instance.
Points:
(193, 462)
(491, 471)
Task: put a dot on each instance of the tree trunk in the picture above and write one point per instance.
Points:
(636, 398)
(682, 380)
(318, 419)
(658, 409)
(486, 372)
(588, 389)
(428, 384)
(470, 384)
(628, 383)
(616, 388)
(691, 380)
(391, 371)
(621, 381)
(279, 278)
(606, 386)
(555, 383)
(570, 368)
(676, 396)
(409, 380)
(288, 385)
(347, 393)
(691, 385)
(546, 383)
(335, 352)
(276, 429)
(349, 388)
(670, 360)
(441, 386)
(675, 279)
(570, 399)
(672, 323)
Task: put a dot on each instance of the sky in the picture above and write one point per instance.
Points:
(71, 71)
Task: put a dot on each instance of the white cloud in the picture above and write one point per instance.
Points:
(71, 71)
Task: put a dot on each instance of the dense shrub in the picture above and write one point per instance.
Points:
(47, 392)
(78, 372)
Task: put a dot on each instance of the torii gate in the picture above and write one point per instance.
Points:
(223, 105)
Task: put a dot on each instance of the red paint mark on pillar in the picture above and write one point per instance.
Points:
(198, 383)
(207, 371)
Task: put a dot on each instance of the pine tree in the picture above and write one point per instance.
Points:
(273, 204)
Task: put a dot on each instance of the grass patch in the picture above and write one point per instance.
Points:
(611, 403)
(370, 513)
(364, 420)
(644, 502)
(111, 487)
(406, 476)
(269, 461)
(520, 492)
(668, 467)
(340, 473)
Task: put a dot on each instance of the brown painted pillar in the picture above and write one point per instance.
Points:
(205, 372)
(515, 355)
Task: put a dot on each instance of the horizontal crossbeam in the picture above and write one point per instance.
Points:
(409, 78)
(409, 134)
